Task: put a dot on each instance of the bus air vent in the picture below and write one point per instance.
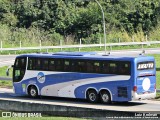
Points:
(122, 92)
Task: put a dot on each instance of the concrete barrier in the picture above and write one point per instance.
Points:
(59, 110)
(5, 78)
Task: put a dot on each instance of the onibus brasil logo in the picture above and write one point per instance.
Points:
(41, 77)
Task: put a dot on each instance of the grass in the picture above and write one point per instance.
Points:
(5, 83)
(158, 96)
(157, 58)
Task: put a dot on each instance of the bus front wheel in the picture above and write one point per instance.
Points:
(105, 97)
(92, 96)
(33, 92)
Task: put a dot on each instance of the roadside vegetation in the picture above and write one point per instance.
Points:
(50, 21)
(5, 83)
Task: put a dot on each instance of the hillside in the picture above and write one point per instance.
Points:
(69, 20)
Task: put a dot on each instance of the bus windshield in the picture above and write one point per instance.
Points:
(19, 69)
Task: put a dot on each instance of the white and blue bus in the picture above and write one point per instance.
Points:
(85, 75)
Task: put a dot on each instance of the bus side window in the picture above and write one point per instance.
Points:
(21, 63)
(128, 68)
(59, 65)
(67, 65)
(45, 64)
(74, 66)
(81, 66)
(89, 67)
(31, 65)
(51, 65)
(96, 67)
(124, 69)
(112, 68)
(105, 67)
(38, 64)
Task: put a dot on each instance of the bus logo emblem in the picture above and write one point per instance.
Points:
(41, 77)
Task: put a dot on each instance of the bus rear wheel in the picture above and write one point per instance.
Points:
(105, 97)
(33, 92)
(92, 96)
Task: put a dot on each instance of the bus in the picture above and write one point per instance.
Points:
(85, 75)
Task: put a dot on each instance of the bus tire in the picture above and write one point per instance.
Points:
(92, 96)
(33, 92)
(105, 97)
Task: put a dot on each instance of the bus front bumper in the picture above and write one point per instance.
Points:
(145, 96)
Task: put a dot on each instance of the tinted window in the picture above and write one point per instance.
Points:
(67, 65)
(124, 68)
(113, 68)
(31, 64)
(96, 67)
(78, 65)
(105, 67)
(19, 69)
(116, 67)
(89, 66)
(93, 66)
(51, 65)
(81, 66)
(38, 64)
(58, 65)
(20, 63)
(45, 63)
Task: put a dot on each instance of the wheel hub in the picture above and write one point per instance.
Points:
(105, 97)
(92, 96)
(33, 92)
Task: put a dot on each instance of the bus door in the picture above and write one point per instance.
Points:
(19, 69)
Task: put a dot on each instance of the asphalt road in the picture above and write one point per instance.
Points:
(6, 60)
(134, 52)
(151, 106)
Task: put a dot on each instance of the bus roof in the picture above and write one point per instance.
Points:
(82, 55)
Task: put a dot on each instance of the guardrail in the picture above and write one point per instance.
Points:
(5, 78)
(80, 46)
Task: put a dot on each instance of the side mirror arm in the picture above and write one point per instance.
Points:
(7, 71)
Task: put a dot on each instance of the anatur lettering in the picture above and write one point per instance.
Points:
(145, 66)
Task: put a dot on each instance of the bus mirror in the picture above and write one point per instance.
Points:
(7, 72)
(12, 66)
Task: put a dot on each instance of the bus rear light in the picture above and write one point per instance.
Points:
(135, 88)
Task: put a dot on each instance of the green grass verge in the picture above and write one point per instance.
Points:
(5, 83)
(158, 96)
(157, 58)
